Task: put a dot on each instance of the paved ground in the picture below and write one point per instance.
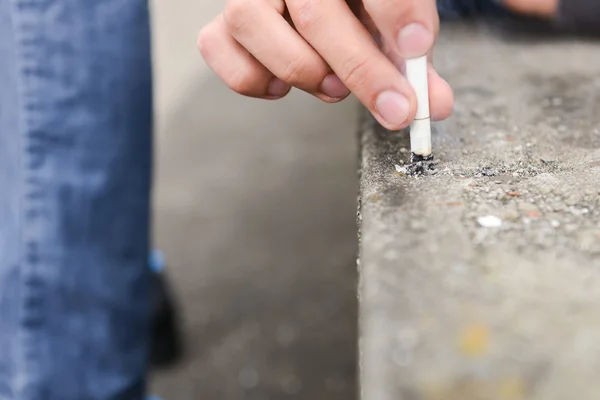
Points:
(255, 209)
(481, 280)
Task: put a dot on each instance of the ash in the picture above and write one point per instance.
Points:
(421, 168)
(418, 168)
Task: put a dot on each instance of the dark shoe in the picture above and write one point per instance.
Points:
(166, 339)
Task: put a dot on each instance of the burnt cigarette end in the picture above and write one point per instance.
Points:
(421, 165)
(415, 158)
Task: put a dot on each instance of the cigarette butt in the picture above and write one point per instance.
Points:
(420, 129)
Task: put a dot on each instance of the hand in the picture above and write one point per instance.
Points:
(329, 48)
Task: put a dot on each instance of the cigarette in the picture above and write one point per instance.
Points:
(420, 129)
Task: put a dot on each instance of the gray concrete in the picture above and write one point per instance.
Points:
(255, 209)
(451, 309)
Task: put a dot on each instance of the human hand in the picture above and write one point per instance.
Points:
(262, 48)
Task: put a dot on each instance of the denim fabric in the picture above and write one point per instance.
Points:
(75, 161)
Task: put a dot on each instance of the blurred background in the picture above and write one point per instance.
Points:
(255, 211)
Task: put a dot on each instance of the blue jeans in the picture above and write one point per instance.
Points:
(75, 177)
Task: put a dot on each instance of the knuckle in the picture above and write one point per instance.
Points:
(203, 41)
(354, 72)
(296, 72)
(242, 82)
(236, 14)
(304, 13)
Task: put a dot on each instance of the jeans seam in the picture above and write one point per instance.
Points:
(27, 354)
(19, 369)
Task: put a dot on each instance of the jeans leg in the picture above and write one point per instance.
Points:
(75, 175)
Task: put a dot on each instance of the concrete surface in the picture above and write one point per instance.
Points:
(452, 308)
(255, 210)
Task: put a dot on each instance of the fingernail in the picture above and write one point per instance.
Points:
(393, 107)
(278, 88)
(333, 87)
(414, 40)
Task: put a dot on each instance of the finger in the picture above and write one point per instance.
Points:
(235, 66)
(410, 26)
(441, 97)
(260, 28)
(339, 37)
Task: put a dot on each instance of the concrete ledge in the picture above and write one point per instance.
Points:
(453, 306)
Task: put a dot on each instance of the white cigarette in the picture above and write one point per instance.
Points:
(420, 129)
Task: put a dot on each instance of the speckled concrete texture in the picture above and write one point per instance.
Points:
(481, 279)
